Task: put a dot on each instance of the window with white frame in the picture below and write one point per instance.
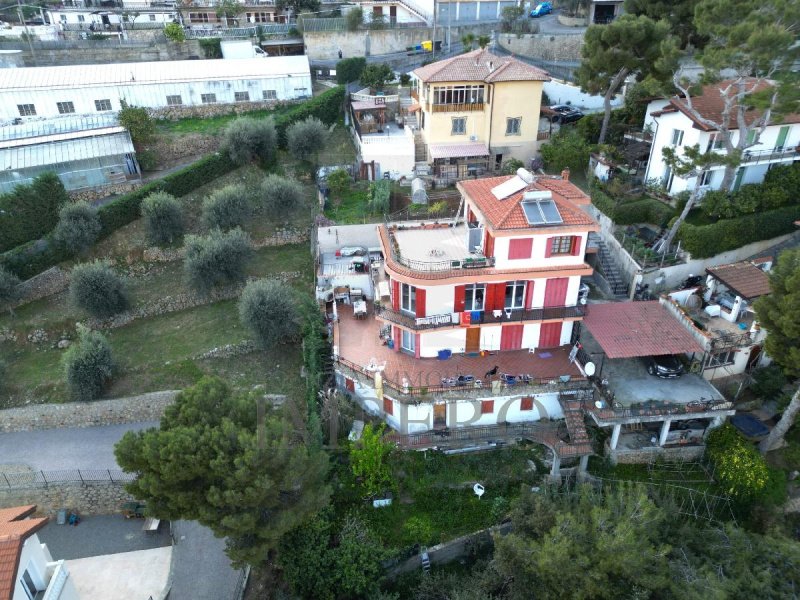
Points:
(26, 110)
(459, 126)
(408, 341)
(715, 142)
(474, 296)
(174, 100)
(29, 585)
(65, 108)
(62, 18)
(208, 98)
(152, 18)
(720, 359)
(241, 96)
(258, 17)
(677, 137)
(514, 126)
(270, 94)
(458, 94)
(102, 105)
(705, 179)
(515, 294)
(408, 298)
(81, 19)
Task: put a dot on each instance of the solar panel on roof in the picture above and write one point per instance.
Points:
(505, 189)
(541, 212)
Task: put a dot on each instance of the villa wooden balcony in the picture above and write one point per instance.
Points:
(459, 107)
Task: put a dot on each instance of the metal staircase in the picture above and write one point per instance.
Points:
(619, 287)
(572, 406)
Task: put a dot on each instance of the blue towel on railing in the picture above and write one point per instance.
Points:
(475, 316)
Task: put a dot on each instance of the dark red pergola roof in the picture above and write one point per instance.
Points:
(631, 329)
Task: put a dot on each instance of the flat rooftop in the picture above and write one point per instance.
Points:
(433, 245)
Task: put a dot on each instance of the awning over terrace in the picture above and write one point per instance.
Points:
(743, 278)
(631, 329)
(465, 150)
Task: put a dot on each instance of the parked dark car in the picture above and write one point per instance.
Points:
(664, 366)
(565, 114)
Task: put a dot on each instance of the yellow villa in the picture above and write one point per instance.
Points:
(476, 111)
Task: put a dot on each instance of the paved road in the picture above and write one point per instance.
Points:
(550, 24)
(60, 449)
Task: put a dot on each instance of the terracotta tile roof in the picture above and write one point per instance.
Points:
(632, 329)
(743, 278)
(710, 105)
(508, 214)
(14, 530)
(474, 66)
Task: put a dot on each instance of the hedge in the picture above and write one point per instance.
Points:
(703, 241)
(644, 210)
(327, 107)
(30, 210)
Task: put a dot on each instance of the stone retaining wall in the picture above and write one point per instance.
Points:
(94, 194)
(544, 46)
(649, 455)
(282, 237)
(85, 499)
(44, 284)
(110, 53)
(175, 113)
(134, 409)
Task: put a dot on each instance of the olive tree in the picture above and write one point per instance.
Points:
(88, 365)
(78, 227)
(163, 218)
(216, 259)
(280, 196)
(226, 208)
(306, 138)
(268, 309)
(96, 288)
(248, 139)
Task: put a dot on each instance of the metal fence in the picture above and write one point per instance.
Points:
(340, 24)
(45, 478)
(264, 29)
(77, 44)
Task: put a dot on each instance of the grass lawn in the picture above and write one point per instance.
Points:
(352, 207)
(213, 125)
(436, 490)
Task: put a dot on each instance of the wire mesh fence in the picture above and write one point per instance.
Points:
(45, 478)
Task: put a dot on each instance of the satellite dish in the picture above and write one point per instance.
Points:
(478, 489)
(589, 368)
(583, 300)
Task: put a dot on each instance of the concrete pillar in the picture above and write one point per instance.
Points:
(584, 464)
(711, 287)
(615, 437)
(662, 439)
(555, 472)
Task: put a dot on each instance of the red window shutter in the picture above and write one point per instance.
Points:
(529, 295)
(488, 244)
(550, 335)
(499, 297)
(388, 406)
(518, 249)
(420, 302)
(460, 298)
(576, 245)
(395, 294)
(349, 384)
(555, 292)
(417, 338)
(470, 215)
(397, 338)
(487, 407)
(548, 249)
(525, 403)
(511, 337)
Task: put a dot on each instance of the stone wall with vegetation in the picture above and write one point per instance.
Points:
(94, 194)
(51, 281)
(108, 52)
(544, 46)
(175, 113)
(85, 499)
(134, 409)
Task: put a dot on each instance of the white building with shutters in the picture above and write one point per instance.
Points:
(670, 124)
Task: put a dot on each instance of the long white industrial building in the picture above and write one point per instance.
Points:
(33, 93)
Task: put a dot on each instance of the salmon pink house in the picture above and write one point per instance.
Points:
(505, 276)
(472, 333)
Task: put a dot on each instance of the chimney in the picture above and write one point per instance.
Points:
(565, 174)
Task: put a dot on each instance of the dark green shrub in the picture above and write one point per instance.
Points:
(603, 202)
(405, 79)
(78, 227)
(96, 288)
(566, 149)
(212, 47)
(647, 210)
(327, 107)
(216, 259)
(138, 122)
(226, 208)
(350, 69)
(247, 139)
(88, 365)
(9, 291)
(30, 210)
(163, 219)
(269, 309)
(768, 382)
(280, 196)
(738, 467)
(354, 19)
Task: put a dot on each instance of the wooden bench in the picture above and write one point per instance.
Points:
(151, 524)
